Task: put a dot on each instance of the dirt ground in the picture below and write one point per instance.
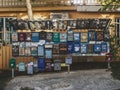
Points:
(97, 79)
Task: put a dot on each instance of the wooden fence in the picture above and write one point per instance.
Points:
(6, 55)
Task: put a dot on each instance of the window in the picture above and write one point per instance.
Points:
(117, 29)
(85, 2)
(5, 30)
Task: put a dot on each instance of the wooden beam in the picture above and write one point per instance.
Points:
(12, 9)
(58, 8)
(47, 8)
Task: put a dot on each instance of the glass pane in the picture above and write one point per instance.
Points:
(1, 24)
(0, 37)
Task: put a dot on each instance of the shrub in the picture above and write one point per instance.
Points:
(115, 68)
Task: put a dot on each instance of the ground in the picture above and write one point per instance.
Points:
(97, 79)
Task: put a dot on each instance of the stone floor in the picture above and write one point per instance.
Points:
(97, 79)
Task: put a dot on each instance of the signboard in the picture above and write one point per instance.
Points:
(42, 35)
(77, 47)
(55, 48)
(70, 47)
(34, 51)
(68, 60)
(80, 24)
(64, 24)
(55, 24)
(106, 36)
(48, 46)
(37, 25)
(91, 35)
(14, 36)
(48, 24)
(27, 51)
(21, 24)
(72, 23)
(15, 50)
(35, 36)
(32, 25)
(55, 16)
(34, 44)
(21, 66)
(28, 44)
(43, 24)
(76, 36)
(40, 50)
(63, 37)
(21, 37)
(60, 24)
(48, 53)
(84, 37)
(28, 37)
(97, 48)
(41, 42)
(90, 48)
(83, 49)
(49, 36)
(104, 47)
(22, 49)
(56, 37)
(99, 36)
(70, 36)
(63, 48)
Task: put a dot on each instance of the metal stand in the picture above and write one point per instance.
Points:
(68, 68)
(109, 67)
(12, 72)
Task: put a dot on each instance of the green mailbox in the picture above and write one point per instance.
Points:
(12, 63)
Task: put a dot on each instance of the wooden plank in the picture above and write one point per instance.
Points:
(48, 8)
(3, 57)
(0, 57)
(8, 56)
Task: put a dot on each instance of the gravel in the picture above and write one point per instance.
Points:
(97, 79)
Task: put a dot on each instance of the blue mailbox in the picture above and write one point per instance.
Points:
(41, 64)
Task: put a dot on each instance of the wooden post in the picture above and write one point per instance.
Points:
(29, 9)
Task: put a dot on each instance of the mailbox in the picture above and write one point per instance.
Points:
(57, 65)
(12, 63)
(68, 60)
(21, 67)
(108, 57)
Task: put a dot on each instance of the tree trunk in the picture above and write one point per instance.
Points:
(29, 9)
